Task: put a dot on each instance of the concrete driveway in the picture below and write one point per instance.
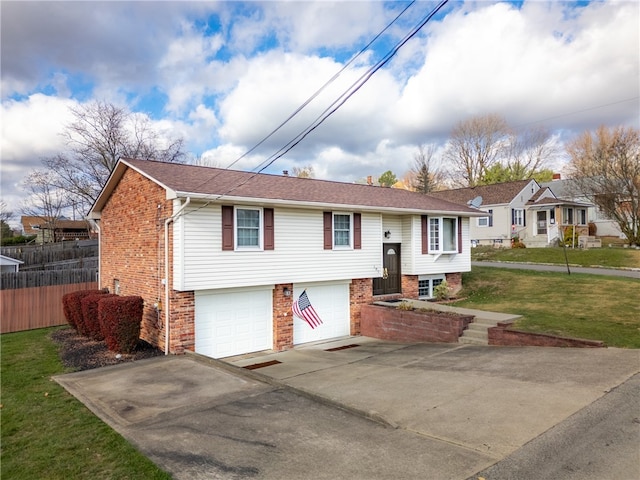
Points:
(356, 408)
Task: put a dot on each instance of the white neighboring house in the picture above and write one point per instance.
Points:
(8, 264)
(521, 209)
(219, 256)
(605, 227)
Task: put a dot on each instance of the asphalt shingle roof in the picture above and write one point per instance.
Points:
(495, 194)
(208, 181)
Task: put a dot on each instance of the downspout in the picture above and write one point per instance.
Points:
(97, 224)
(166, 271)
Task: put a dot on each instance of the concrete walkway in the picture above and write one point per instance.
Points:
(614, 272)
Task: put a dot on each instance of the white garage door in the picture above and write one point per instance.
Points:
(331, 302)
(233, 322)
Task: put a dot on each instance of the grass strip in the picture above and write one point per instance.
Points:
(46, 432)
(593, 307)
(604, 257)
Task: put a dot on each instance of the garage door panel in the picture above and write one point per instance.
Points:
(233, 322)
(331, 302)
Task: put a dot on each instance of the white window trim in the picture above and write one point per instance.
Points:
(518, 216)
(430, 278)
(333, 231)
(236, 236)
(441, 235)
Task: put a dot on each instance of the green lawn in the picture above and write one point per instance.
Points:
(46, 432)
(605, 257)
(584, 306)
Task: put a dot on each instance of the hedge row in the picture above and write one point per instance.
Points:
(103, 316)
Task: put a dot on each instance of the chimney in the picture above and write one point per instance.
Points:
(285, 173)
(556, 176)
(369, 180)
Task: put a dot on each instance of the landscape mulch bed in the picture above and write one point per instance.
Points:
(81, 353)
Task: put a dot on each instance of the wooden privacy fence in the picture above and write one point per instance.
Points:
(36, 307)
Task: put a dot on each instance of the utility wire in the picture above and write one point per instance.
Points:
(340, 101)
(327, 83)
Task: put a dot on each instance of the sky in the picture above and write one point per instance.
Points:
(223, 75)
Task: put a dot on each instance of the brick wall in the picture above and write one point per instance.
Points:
(360, 294)
(454, 280)
(410, 286)
(389, 323)
(502, 336)
(282, 317)
(132, 259)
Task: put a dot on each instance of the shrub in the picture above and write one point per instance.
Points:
(441, 291)
(568, 237)
(72, 307)
(90, 320)
(120, 319)
(404, 305)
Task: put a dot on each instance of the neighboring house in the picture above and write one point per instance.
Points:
(242, 247)
(48, 230)
(568, 189)
(521, 209)
(8, 264)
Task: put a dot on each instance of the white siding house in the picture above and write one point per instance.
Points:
(221, 256)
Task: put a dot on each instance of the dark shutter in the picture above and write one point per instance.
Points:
(490, 218)
(227, 227)
(459, 234)
(524, 218)
(357, 231)
(425, 234)
(328, 230)
(513, 216)
(268, 229)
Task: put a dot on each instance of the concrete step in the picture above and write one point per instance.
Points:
(474, 327)
(472, 341)
(480, 334)
(484, 322)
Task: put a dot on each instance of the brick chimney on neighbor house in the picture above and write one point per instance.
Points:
(556, 176)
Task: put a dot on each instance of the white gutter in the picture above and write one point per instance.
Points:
(166, 272)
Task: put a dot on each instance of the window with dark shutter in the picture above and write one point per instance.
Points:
(328, 230)
(268, 229)
(459, 234)
(425, 234)
(357, 231)
(227, 227)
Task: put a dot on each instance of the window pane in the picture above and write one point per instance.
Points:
(449, 234)
(434, 234)
(423, 288)
(341, 230)
(248, 228)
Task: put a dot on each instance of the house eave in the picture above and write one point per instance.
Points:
(321, 205)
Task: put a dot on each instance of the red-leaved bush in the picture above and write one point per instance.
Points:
(90, 320)
(120, 319)
(72, 307)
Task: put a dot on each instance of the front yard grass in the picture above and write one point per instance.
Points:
(603, 257)
(593, 307)
(46, 432)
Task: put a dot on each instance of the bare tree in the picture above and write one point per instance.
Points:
(529, 152)
(303, 172)
(5, 213)
(605, 165)
(474, 146)
(425, 176)
(44, 200)
(99, 135)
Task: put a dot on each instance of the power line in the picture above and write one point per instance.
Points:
(326, 84)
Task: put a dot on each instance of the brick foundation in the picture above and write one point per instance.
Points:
(360, 294)
(409, 286)
(501, 335)
(388, 323)
(454, 280)
(282, 318)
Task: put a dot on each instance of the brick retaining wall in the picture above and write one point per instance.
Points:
(500, 335)
(388, 323)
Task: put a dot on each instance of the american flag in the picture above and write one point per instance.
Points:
(302, 309)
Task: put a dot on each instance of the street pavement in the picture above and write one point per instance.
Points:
(360, 408)
(543, 267)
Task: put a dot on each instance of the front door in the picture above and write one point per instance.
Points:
(390, 280)
(541, 222)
